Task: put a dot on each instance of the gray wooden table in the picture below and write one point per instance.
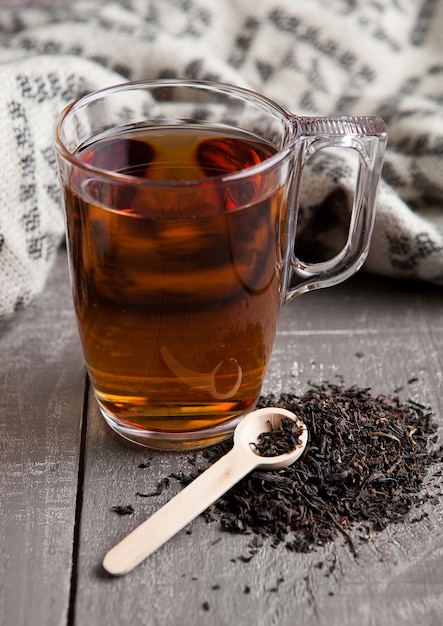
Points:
(62, 470)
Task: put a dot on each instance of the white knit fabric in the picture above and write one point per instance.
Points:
(314, 57)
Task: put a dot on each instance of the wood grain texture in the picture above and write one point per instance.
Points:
(41, 387)
(370, 332)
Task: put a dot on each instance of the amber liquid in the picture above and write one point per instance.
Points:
(177, 288)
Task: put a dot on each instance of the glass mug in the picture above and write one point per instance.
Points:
(181, 207)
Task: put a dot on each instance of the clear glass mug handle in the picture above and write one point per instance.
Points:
(368, 137)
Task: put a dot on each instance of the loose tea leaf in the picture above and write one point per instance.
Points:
(126, 509)
(280, 440)
(366, 461)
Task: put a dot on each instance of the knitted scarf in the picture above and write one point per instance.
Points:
(313, 57)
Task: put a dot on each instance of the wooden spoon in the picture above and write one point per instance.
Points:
(205, 489)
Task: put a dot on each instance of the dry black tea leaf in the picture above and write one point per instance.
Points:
(126, 509)
(280, 440)
(366, 461)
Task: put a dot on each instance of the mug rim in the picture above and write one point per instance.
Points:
(213, 85)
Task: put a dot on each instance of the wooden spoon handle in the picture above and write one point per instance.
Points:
(178, 512)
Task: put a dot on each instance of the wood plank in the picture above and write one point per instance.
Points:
(371, 332)
(41, 387)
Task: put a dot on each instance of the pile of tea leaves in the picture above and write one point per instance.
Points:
(366, 462)
(279, 440)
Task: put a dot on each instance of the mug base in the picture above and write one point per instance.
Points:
(171, 440)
